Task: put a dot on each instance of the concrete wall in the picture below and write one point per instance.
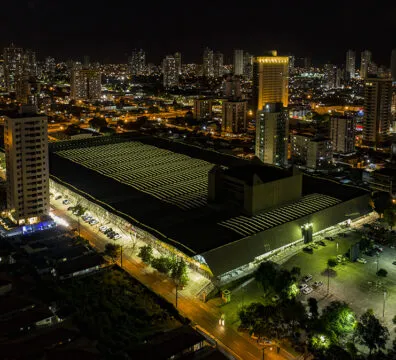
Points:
(267, 195)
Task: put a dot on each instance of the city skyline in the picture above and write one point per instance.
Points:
(110, 34)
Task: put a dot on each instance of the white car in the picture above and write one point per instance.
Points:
(116, 236)
(103, 228)
(94, 222)
(317, 284)
(307, 290)
(307, 278)
(361, 260)
(66, 202)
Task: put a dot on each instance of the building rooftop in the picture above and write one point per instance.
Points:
(79, 264)
(168, 204)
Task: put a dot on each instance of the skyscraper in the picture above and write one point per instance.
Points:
(137, 62)
(208, 63)
(365, 60)
(350, 65)
(15, 66)
(330, 76)
(203, 109)
(377, 112)
(238, 62)
(270, 80)
(178, 59)
(170, 72)
(248, 66)
(26, 149)
(86, 84)
(272, 131)
(393, 64)
(342, 133)
(218, 64)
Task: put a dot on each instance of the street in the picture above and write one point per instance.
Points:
(206, 315)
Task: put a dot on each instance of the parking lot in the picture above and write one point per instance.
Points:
(353, 282)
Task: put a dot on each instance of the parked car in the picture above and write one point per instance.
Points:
(314, 245)
(361, 260)
(378, 248)
(70, 208)
(321, 242)
(117, 236)
(94, 222)
(66, 202)
(331, 238)
(307, 290)
(302, 286)
(307, 278)
(317, 284)
(103, 228)
(58, 197)
(308, 250)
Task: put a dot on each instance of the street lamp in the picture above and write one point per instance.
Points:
(383, 308)
(270, 347)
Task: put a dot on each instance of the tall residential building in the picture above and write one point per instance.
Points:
(365, 60)
(208, 63)
(13, 66)
(270, 80)
(393, 64)
(238, 62)
(272, 131)
(170, 72)
(234, 117)
(178, 59)
(202, 109)
(377, 112)
(248, 66)
(311, 151)
(330, 76)
(86, 84)
(350, 65)
(137, 63)
(232, 88)
(218, 64)
(342, 133)
(26, 150)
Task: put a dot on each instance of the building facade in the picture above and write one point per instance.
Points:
(170, 72)
(202, 109)
(393, 64)
(234, 117)
(208, 63)
(350, 64)
(26, 149)
(270, 80)
(365, 61)
(137, 63)
(310, 151)
(218, 64)
(272, 131)
(342, 133)
(238, 62)
(86, 83)
(377, 112)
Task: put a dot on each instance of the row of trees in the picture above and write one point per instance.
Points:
(168, 265)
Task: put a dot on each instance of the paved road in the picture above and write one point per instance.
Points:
(206, 315)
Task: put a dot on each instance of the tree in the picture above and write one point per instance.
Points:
(338, 320)
(179, 272)
(390, 217)
(113, 251)
(266, 275)
(295, 271)
(382, 272)
(163, 264)
(146, 254)
(332, 262)
(97, 122)
(380, 201)
(79, 210)
(313, 307)
(370, 332)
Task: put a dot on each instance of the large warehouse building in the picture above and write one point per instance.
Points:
(218, 209)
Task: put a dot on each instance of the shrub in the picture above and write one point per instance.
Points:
(382, 272)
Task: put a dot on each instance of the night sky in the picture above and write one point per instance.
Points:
(108, 30)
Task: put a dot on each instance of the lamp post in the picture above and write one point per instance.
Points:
(383, 308)
(377, 262)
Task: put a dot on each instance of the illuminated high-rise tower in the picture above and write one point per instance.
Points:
(137, 62)
(365, 61)
(270, 80)
(393, 64)
(238, 62)
(218, 64)
(350, 65)
(170, 72)
(208, 64)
